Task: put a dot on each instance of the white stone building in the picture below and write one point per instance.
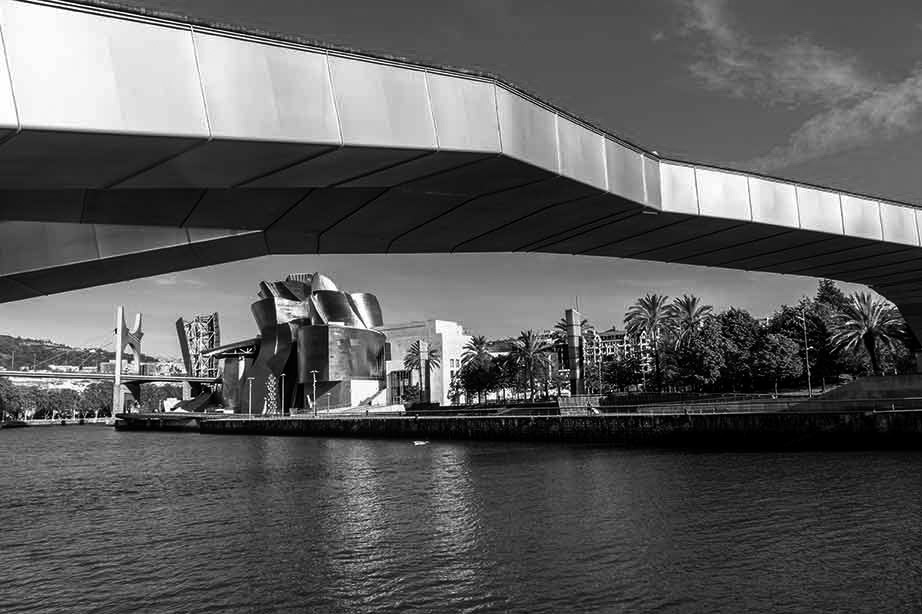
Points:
(448, 338)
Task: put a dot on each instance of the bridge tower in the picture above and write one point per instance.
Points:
(197, 336)
(131, 339)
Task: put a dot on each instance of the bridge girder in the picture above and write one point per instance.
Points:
(157, 145)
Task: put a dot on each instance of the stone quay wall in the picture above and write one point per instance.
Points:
(901, 429)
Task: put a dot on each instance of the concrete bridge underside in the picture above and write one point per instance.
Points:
(134, 145)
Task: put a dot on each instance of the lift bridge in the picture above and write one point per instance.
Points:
(129, 381)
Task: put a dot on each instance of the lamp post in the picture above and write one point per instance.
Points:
(250, 402)
(282, 406)
(803, 320)
(314, 374)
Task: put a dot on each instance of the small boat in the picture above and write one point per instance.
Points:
(13, 424)
(420, 443)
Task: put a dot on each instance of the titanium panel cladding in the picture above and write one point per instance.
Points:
(819, 210)
(465, 113)
(368, 308)
(528, 131)
(861, 217)
(723, 194)
(773, 202)
(266, 93)
(77, 71)
(211, 234)
(334, 306)
(35, 245)
(582, 154)
(899, 224)
(8, 120)
(678, 188)
(381, 105)
(652, 182)
(115, 240)
(625, 171)
(919, 223)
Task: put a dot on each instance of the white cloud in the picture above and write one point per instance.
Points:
(789, 71)
(856, 108)
(174, 280)
(893, 111)
(165, 280)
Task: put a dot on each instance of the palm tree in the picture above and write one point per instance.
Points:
(475, 350)
(649, 315)
(866, 320)
(530, 355)
(686, 315)
(505, 365)
(412, 362)
(560, 329)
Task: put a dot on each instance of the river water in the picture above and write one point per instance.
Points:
(93, 520)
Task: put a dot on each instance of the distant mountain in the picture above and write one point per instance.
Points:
(25, 353)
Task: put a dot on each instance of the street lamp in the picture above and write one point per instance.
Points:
(250, 403)
(282, 406)
(314, 374)
(803, 320)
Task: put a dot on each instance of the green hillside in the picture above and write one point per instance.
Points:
(43, 352)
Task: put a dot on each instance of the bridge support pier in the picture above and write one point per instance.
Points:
(130, 338)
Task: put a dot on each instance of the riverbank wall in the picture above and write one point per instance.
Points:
(846, 430)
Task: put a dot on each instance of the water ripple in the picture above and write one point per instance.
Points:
(92, 520)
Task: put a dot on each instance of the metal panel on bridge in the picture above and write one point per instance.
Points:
(148, 145)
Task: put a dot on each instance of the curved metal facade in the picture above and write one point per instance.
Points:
(321, 333)
(155, 145)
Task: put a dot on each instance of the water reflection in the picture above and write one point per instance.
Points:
(122, 522)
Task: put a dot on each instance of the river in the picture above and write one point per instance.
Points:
(94, 520)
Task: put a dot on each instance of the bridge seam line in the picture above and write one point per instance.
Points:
(195, 205)
(684, 241)
(527, 215)
(735, 245)
(579, 230)
(629, 237)
(458, 206)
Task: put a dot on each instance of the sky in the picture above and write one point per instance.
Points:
(826, 91)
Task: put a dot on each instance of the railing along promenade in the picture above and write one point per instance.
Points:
(777, 405)
(66, 421)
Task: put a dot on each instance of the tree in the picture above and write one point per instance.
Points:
(560, 328)
(828, 293)
(479, 377)
(96, 399)
(10, 402)
(701, 356)
(530, 355)
(649, 315)
(414, 362)
(777, 358)
(687, 315)
(475, 350)
(410, 394)
(507, 373)
(867, 321)
(741, 332)
(455, 388)
(591, 378)
(623, 372)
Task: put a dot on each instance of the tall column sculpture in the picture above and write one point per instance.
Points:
(575, 350)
